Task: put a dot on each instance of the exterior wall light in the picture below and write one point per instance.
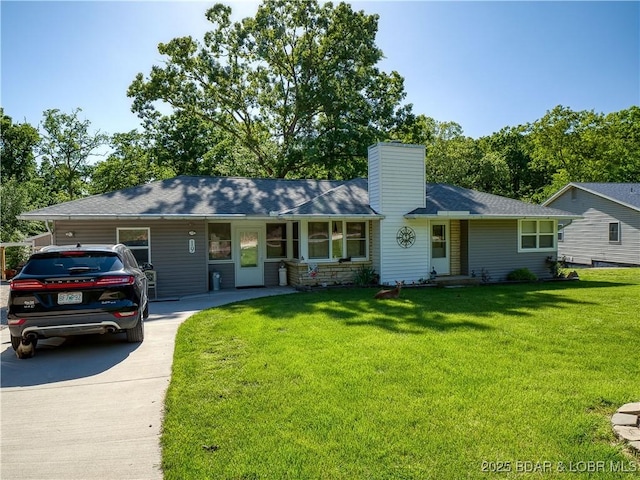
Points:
(69, 234)
(192, 232)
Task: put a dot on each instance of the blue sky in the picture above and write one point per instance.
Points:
(484, 65)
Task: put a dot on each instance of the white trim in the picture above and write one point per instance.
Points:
(331, 259)
(619, 240)
(553, 234)
(222, 217)
(430, 216)
(148, 247)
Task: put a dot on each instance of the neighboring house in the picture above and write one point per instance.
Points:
(609, 230)
(245, 230)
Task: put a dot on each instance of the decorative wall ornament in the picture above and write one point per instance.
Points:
(312, 270)
(406, 237)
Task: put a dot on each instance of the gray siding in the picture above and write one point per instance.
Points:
(493, 245)
(587, 240)
(227, 273)
(179, 272)
(271, 278)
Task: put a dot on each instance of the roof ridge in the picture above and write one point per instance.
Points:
(307, 202)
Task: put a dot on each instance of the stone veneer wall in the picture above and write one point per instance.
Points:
(334, 273)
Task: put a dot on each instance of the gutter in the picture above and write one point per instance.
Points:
(454, 216)
(293, 216)
(239, 216)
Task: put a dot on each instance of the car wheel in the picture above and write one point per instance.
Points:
(136, 334)
(15, 342)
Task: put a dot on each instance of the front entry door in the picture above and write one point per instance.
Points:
(440, 247)
(249, 267)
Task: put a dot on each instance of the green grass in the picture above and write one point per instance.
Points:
(436, 384)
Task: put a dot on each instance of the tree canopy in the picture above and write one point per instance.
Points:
(65, 149)
(296, 87)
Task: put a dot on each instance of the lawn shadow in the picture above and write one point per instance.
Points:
(419, 310)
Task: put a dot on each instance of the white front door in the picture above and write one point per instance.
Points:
(440, 247)
(249, 267)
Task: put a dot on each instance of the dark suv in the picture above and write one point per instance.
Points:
(76, 290)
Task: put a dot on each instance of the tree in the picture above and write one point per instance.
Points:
(20, 186)
(511, 145)
(192, 146)
(17, 149)
(130, 164)
(584, 146)
(66, 147)
(296, 88)
(621, 146)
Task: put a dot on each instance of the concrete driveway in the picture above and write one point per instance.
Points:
(91, 407)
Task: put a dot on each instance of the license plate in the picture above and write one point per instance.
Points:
(69, 298)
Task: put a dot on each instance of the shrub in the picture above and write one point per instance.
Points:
(522, 275)
(365, 275)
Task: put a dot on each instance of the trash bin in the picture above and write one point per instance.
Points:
(216, 280)
(282, 276)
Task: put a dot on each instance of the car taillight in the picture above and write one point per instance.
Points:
(27, 285)
(115, 280)
(17, 321)
(125, 314)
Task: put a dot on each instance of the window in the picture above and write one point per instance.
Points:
(561, 232)
(219, 241)
(537, 235)
(318, 240)
(337, 239)
(276, 240)
(137, 239)
(614, 232)
(357, 239)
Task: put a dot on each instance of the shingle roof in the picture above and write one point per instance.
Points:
(202, 196)
(211, 197)
(625, 193)
(442, 197)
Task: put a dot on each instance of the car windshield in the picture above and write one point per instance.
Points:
(65, 263)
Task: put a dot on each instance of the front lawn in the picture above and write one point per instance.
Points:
(441, 383)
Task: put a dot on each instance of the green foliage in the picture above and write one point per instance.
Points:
(365, 276)
(129, 164)
(522, 275)
(584, 146)
(20, 189)
(332, 384)
(17, 149)
(296, 88)
(17, 197)
(66, 146)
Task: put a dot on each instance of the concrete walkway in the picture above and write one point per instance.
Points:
(91, 407)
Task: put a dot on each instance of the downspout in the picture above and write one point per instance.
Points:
(46, 223)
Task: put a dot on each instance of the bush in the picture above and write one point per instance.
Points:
(365, 276)
(522, 275)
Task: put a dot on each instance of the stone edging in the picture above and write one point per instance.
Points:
(626, 424)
